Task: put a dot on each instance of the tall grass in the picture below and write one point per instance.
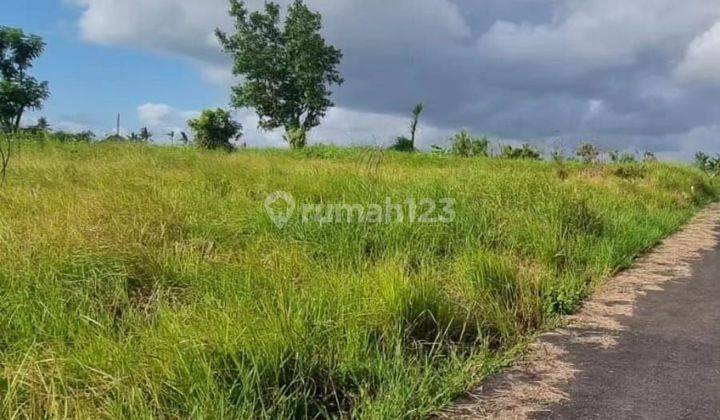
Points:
(144, 282)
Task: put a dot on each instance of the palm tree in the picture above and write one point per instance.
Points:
(145, 134)
(417, 110)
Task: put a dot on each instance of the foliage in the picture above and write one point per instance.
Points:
(407, 144)
(403, 144)
(142, 280)
(466, 145)
(287, 71)
(145, 135)
(618, 157)
(42, 126)
(588, 152)
(711, 165)
(215, 129)
(119, 138)
(525, 152)
(560, 162)
(66, 137)
(19, 91)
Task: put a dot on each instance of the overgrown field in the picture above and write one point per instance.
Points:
(140, 281)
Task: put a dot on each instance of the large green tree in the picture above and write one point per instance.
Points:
(19, 91)
(286, 71)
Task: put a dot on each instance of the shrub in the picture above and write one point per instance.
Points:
(624, 157)
(215, 129)
(708, 164)
(465, 144)
(588, 152)
(650, 157)
(524, 152)
(403, 144)
(560, 164)
(65, 137)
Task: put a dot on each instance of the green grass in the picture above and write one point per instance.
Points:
(144, 282)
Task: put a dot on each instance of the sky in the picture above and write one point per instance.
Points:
(629, 75)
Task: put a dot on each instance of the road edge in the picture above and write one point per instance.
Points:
(539, 379)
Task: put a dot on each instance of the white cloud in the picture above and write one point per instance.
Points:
(595, 34)
(70, 126)
(701, 63)
(154, 115)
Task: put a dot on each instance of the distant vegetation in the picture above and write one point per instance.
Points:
(215, 129)
(466, 145)
(709, 164)
(407, 144)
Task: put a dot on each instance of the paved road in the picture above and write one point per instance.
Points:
(665, 366)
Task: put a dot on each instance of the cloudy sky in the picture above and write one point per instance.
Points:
(634, 75)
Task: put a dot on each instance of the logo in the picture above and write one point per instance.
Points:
(280, 206)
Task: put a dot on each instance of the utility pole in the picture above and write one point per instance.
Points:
(117, 131)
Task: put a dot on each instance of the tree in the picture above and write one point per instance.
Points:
(5, 154)
(19, 91)
(215, 129)
(42, 125)
(417, 110)
(145, 135)
(287, 71)
(407, 144)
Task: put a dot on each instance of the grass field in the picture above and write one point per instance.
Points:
(143, 282)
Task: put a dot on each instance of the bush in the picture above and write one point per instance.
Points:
(65, 137)
(465, 144)
(524, 152)
(710, 165)
(403, 144)
(588, 152)
(624, 157)
(215, 129)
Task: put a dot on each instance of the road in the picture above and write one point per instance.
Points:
(645, 346)
(666, 365)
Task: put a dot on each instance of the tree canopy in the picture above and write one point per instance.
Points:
(19, 91)
(214, 129)
(287, 71)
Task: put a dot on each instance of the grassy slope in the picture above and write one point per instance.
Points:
(136, 281)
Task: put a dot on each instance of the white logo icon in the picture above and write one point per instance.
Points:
(280, 213)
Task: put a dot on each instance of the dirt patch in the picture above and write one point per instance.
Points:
(539, 380)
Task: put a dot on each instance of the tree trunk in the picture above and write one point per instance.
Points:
(296, 135)
(18, 117)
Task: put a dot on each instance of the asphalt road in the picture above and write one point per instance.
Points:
(665, 366)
